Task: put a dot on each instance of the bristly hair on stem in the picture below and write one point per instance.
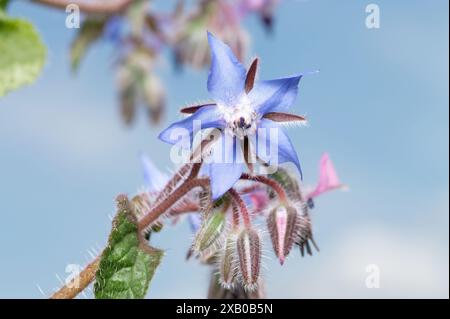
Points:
(277, 187)
(172, 199)
(237, 199)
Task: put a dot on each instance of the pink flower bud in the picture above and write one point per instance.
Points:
(284, 227)
(248, 246)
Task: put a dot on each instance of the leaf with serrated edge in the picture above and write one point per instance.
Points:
(127, 264)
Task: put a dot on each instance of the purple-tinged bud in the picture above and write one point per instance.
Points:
(210, 232)
(228, 261)
(283, 224)
(248, 246)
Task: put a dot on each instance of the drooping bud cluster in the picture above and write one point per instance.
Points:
(235, 249)
(221, 18)
(137, 83)
(228, 239)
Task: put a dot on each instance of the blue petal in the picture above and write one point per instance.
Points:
(225, 174)
(226, 78)
(286, 151)
(274, 95)
(208, 116)
(154, 178)
(113, 28)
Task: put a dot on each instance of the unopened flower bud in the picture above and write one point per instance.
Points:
(127, 92)
(205, 202)
(210, 232)
(305, 235)
(228, 261)
(154, 97)
(283, 224)
(289, 184)
(248, 246)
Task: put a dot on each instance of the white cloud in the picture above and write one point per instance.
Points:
(411, 266)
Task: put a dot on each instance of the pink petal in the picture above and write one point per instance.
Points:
(281, 221)
(328, 179)
(259, 199)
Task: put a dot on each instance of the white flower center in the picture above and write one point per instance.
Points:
(240, 119)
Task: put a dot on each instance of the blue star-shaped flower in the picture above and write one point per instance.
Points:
(242, 108)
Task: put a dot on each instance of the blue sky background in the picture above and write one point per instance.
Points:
(379, 106)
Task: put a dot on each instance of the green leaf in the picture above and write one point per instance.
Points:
(127, 264)
(3, 4)
(90, 31)
(22, 53)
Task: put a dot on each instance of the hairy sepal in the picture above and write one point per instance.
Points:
(248, 246)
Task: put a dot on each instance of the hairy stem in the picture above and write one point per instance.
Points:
(173, 182)
(185, 208)
(78, 284)
(172, 199)
(271, 183)
(235, 209)
(87, 275)
(237, 199)
(195, 170)
(96, 6)
(190, 168)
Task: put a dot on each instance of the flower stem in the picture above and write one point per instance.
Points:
(78, 284)
(172, 199)
(190, 168)
(87, 275)
(235, 209)
(237, 199)
(271, 183)
(173, 182)
(98, 6)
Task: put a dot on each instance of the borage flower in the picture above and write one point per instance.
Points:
(243, 111)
